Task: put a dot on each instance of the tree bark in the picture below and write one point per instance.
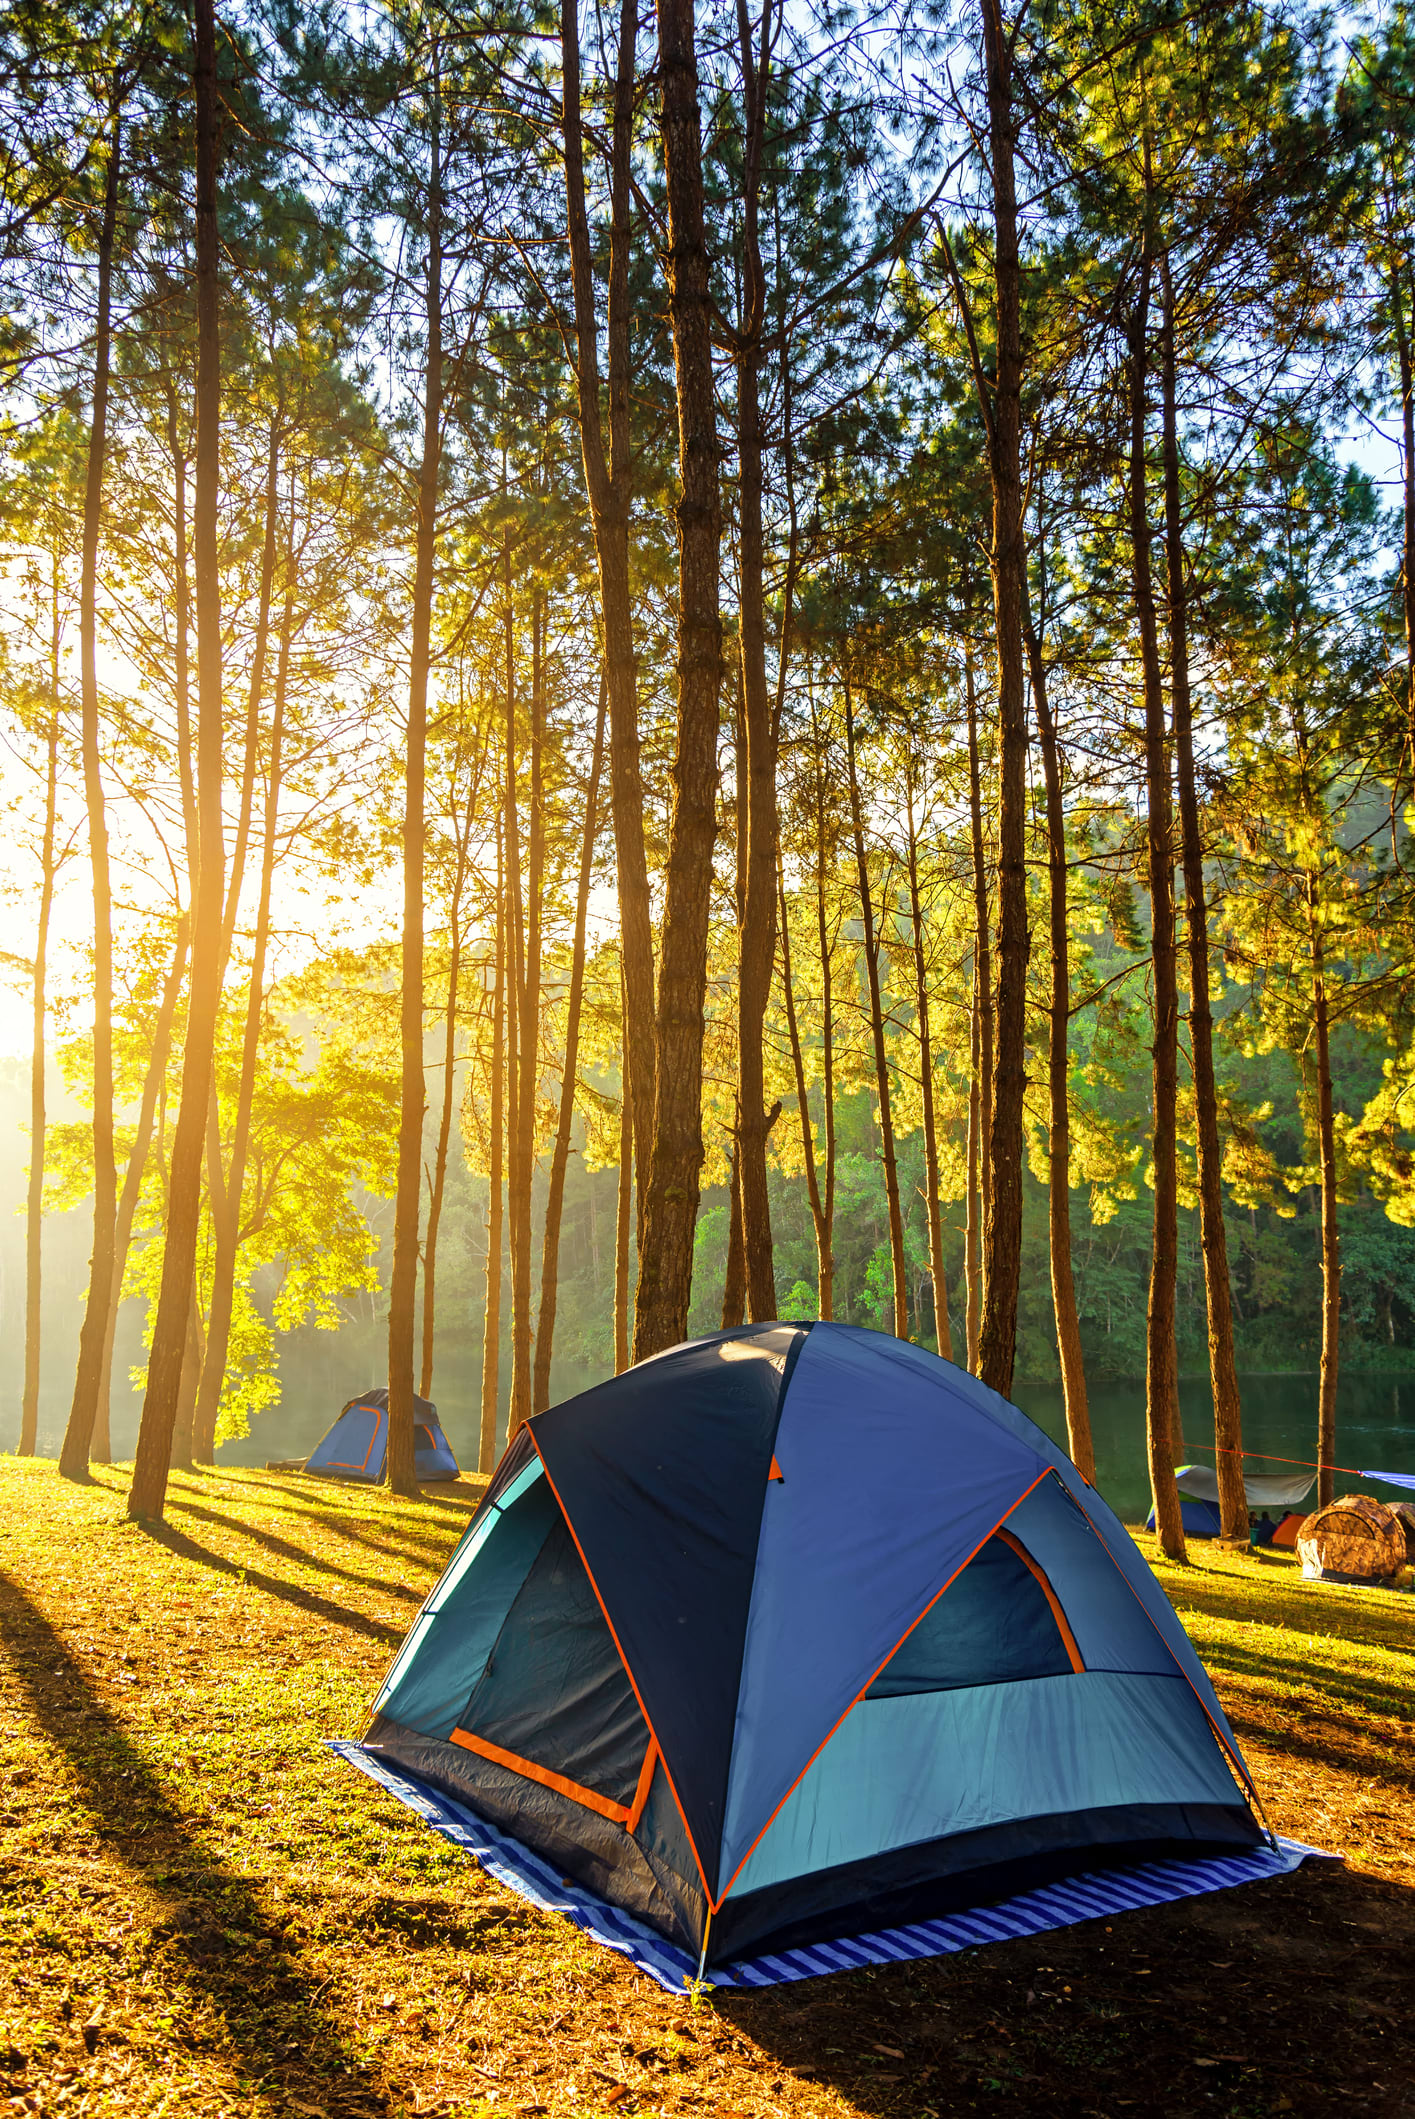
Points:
(820, 1203)
(625, 1198)
(980, 1079)
(83, 1409)
(1063, 1286)
(1160, 1375)
(227, 1193)
(181, 632)
(610, 487)
(1223, 1371)
(164, 1375)
(401, 1471)
(734, 1280)
(1331, 1234)
(943, 1334)
(982, 955)
(193, 1362)
(491, 1315)
(525, 987)
(756, 940)
(674, 1176)
(886, 1122)
(560, 1155)
(449, 1084)
(1401, 323)
(34, 1198)
(1002, 1232)
(153, 1081)
(972, 1243)
(255, 693)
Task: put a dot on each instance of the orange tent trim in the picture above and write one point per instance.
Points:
(1068, 1638)
(616, 1812)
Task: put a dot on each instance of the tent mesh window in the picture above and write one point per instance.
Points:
(555, 1693)
(994, 1624)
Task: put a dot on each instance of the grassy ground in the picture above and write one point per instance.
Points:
(202, 1913)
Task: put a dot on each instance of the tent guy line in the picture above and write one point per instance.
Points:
(1348, 1471)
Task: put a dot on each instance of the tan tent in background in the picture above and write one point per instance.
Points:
(1357, 1539)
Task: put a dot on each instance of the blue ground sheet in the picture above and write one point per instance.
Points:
(1060, 1905)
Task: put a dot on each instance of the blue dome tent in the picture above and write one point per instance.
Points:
(356, 1447)
(798, 1631)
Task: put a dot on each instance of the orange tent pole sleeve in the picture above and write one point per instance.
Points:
(532, 1772)
(1034, 1567)
(641, 1793)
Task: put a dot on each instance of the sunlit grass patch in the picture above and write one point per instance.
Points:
(201, 1911)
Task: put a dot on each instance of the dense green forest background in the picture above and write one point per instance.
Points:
(1275, 1249)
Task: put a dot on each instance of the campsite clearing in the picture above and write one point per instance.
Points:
(201, 1912)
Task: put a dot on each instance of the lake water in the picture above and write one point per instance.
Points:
(1375, 1429)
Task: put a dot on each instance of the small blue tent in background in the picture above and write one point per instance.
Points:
(356, 1447)
(798, 1631)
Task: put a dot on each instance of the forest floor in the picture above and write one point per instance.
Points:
(203, 1912)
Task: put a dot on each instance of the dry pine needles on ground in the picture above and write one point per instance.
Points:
(202, 1913)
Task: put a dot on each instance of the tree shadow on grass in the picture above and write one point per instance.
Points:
(1359, 1692)
(398, 1540)
(213, 1934)
(1237, 2002)
(283, 1549)
(306, 1600)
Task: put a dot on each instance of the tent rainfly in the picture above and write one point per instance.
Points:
(356, 1447)
(797, 1631)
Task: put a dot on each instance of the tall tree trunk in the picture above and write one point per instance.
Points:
(1402, 323)
(625, 1196)
(943, 1334)
(820, 1219)
(245, 810)
(401, 1470)
(444, 1126)
(734, 1279)
(972, 1243)
(491, 1314)
(525, 988)
(152, 1087)
(181, 630)
(192, 1365)
(674, 1175)
(560, 1155)
(1223, 1371)
(1063, 1286)
(34, 1199)
(1002, 1233)
(980, 1078)
(169, 1337)
(227, 1193)
(609, 485)
(824, 939)
(74, 1455)
(886, 1121)
(1160, 1368)
(1331, 1235)
(982, 954)
(756, 940)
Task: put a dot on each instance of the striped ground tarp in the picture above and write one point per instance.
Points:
(1032, 1913)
